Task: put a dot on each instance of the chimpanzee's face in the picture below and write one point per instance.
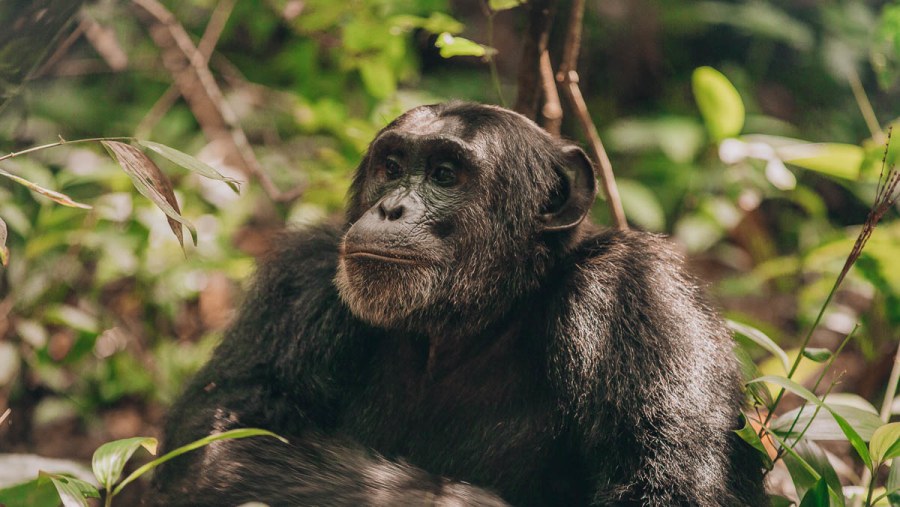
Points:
(447, 214)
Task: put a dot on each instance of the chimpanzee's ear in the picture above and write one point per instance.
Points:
(574, 194)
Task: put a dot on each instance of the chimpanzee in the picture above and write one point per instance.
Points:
(468, 338)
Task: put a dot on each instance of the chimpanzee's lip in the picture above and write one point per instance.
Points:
(382, 254)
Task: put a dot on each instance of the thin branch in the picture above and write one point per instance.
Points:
(568, 79)
(206, 46)
(540, 20)
(61, 50)
(199, 88)
(865, 107)
(552, 112)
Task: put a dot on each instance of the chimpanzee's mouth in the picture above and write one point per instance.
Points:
(383, 255)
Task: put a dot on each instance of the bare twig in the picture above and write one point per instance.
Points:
(104, 41)
(540, 20)
(568, 80)
(552, 112)
(865, 107)
(199, 88)
(207, 44)
(60, 50)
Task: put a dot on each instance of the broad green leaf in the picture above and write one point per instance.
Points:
(227, 435)
(816, 354)
(817, 496)
(110, 458)
(152, 184)
(719, 102)
(748, 434)
(502, 5)
(53, 195)
(885, 443)
(816, 458)
(762, 340)
(804, 393)
(38, 492)
(190, 163)
(451, 46)
(833, 159)
(4, 250)
(824, 427)
(780, 501)
(73, 492)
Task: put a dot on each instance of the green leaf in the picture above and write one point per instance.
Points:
(816, 458)
(451, 46)
(502, 5)
(762, 340)
(824, 427)
(719, 102)
(833, 159)
(190, 163)
(748, 434)
(816, 354)
(893, 483)
(227, 435)
(780, 501)
(804, 393)
(4, 250)
(38, 492)
(377, 77)
(817, 496)
(152, 184)
(110, 458)
(885, 443)
(641, 205)
(73, 492)
(53, 195)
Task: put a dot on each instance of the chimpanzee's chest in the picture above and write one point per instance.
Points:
(489, 419)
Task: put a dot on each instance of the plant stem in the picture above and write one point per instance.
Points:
(800, 353)
(492, 62)
(60, 143)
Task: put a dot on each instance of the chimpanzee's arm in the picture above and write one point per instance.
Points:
(280, 367)
(652, 380)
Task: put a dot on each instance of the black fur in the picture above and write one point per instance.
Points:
(540, 362)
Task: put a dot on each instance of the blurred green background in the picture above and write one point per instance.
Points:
(102, 316)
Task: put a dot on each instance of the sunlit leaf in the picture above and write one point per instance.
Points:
(824, 427)
(762, 340)
(190, 163)
(53, 195)
(377, 77)
(833, 159)
(73, 492)
(502, 5)
(451, 46)
(110, 458)
(885, 443)
(719, 102)
(4, 250)
(858, 444)
(152, 184)
(816, 354)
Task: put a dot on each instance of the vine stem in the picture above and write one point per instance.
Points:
(61, 142)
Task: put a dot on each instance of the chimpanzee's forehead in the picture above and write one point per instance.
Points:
(424, 122)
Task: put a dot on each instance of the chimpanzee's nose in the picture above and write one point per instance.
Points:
(390, 209)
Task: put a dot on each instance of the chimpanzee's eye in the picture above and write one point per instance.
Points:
(392, 168)
(444, 175)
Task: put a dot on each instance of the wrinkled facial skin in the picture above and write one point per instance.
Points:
(442, 220)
